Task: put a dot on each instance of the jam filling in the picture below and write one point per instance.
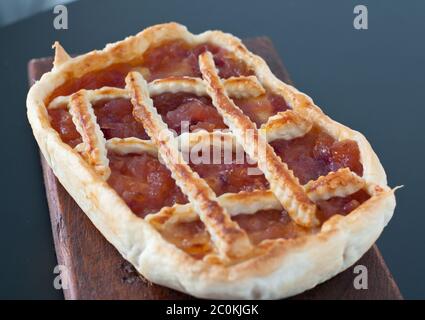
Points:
(143, 182)
(198, 112)
(316, 154)
(61, 121)
(261, 108)
(231, 175)
(340, 205)
(146, 185)
(193, 238)
(112, 76)
(269, 224)
(115, 118)
(177, 58)
(173, 58)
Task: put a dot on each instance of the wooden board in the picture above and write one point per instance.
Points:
(97, 271)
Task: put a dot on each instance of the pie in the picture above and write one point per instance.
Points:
(287, 199)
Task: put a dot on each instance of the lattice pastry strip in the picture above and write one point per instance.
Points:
(230, 240)
(282, 181)
(237, 87)
(93, 146)
(286, 125)
(340, 183)
(131, 145)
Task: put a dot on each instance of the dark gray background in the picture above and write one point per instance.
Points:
(371, 80)
(15, 10)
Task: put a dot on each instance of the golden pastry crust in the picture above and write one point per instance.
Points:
(277, 268)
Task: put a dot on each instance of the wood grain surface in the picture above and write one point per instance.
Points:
(95, 269)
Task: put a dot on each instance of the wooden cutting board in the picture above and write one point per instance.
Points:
(97, 271)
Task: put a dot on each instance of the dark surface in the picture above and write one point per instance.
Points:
(95, 270)
(372, 80)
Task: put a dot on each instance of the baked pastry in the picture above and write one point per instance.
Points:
(286, 199)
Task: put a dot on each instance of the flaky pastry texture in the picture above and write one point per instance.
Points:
(238, 270)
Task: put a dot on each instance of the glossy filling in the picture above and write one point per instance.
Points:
(316, 154)
(261, 108)
(112, 76)
(61, 121)
(146, 185)
(115, 118)
(173, 58)
(231, 175)
(143, 182)
(340, 205)
(196, 112)
(193, 238)
(177, 58)
(269, 224)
